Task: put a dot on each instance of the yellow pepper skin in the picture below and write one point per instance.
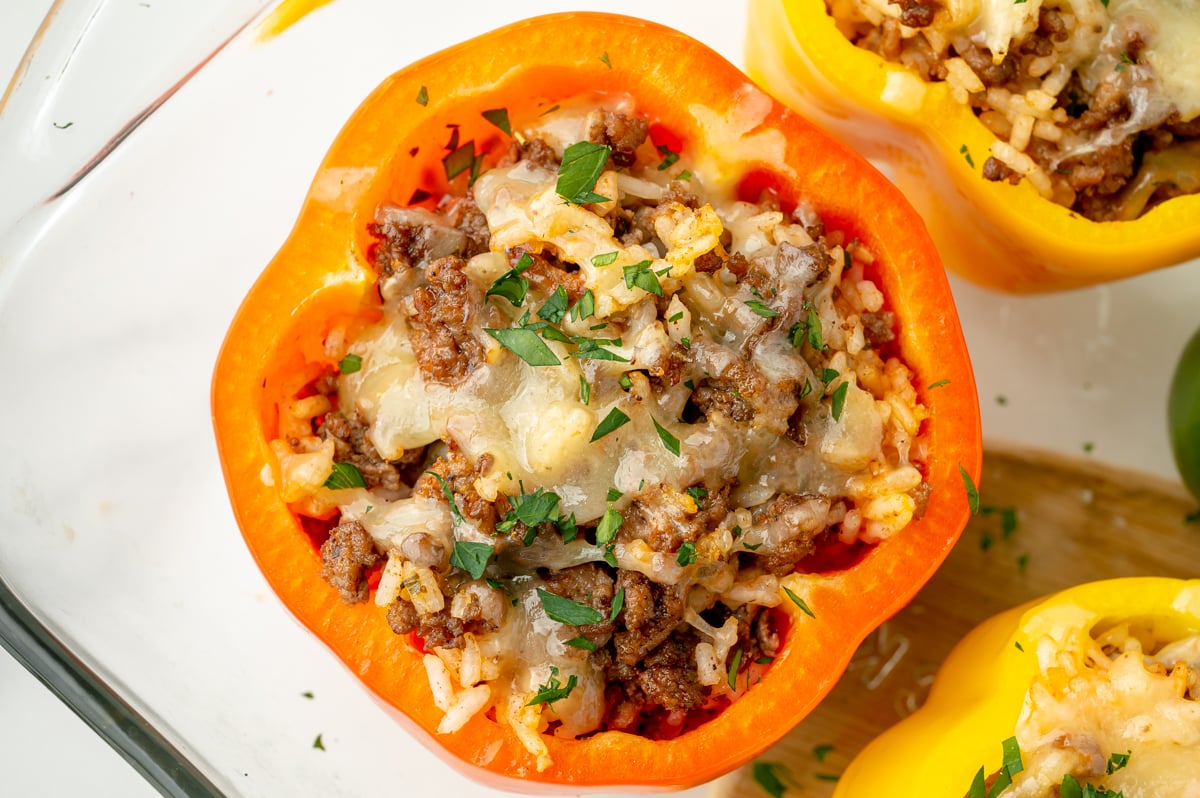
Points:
(995, 234)
(980, 688)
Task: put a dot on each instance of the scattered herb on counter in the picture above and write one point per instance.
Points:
(318, 743)
(769, 776)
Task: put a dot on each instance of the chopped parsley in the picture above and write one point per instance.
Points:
(972, 491)
(553, 690)
(606, 530)
(768, 775)
(641, 275)
(530, 509)
(668, 440)
(350, 364)
(593, 349)
(821, 751)
(556, 306)
(625, 382)
(1008, 518)
(1116, 762)
(938, 384)
(449, 494)
(687, 553)
(735, 665)
(799, 602)
(566, 611)
(1017, 645)
(525, 344)
(761, 309)
(344, 476)
(966, 153)
(307, 694)
(460, 160)
(697, 493)
(423, 96)
(618, 603)
(471, 556)
(582, 165)
(585, 390)
(605, 59)
(669, 158)
(614, 494)
(581, 642)
(586, 306)
(838, 400)
(511, 285)
(607, 259)
(319, 744)
(676, 317)
(499, 118)
(828, 375)
(614, 420)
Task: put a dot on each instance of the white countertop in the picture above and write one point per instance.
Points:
(45, 750)
(1081, 373)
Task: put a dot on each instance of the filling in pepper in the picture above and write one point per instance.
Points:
(1113, 714)
(610, 414)
(1095, 102)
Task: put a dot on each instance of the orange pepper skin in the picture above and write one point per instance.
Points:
(995, 234)
(320, 279)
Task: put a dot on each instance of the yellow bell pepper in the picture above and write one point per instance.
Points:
(981, 688)
(993, 233)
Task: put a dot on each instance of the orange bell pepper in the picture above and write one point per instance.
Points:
(320, 280)
(995, 234)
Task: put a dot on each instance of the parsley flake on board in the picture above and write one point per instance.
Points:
(972, 491)
(471, 556)
(582, 165)
(614, 420)
(499, 118)
(553, 690)
(511, 285)
(769, 776)
(566, 611)
(668, 440)
(525, 344)
(318, 743)
(344, 476)
(822, 751)
(799, 602)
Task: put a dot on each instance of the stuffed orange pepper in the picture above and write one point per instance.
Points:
(1049, 144)
(596, 407)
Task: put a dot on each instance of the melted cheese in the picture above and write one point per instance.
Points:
(1086, 707)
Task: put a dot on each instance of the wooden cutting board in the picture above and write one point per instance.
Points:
(1047, 522)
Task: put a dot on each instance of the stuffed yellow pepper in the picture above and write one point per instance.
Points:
(1048, 143)
(1094, 691)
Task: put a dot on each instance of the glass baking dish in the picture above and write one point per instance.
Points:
(124, 583)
